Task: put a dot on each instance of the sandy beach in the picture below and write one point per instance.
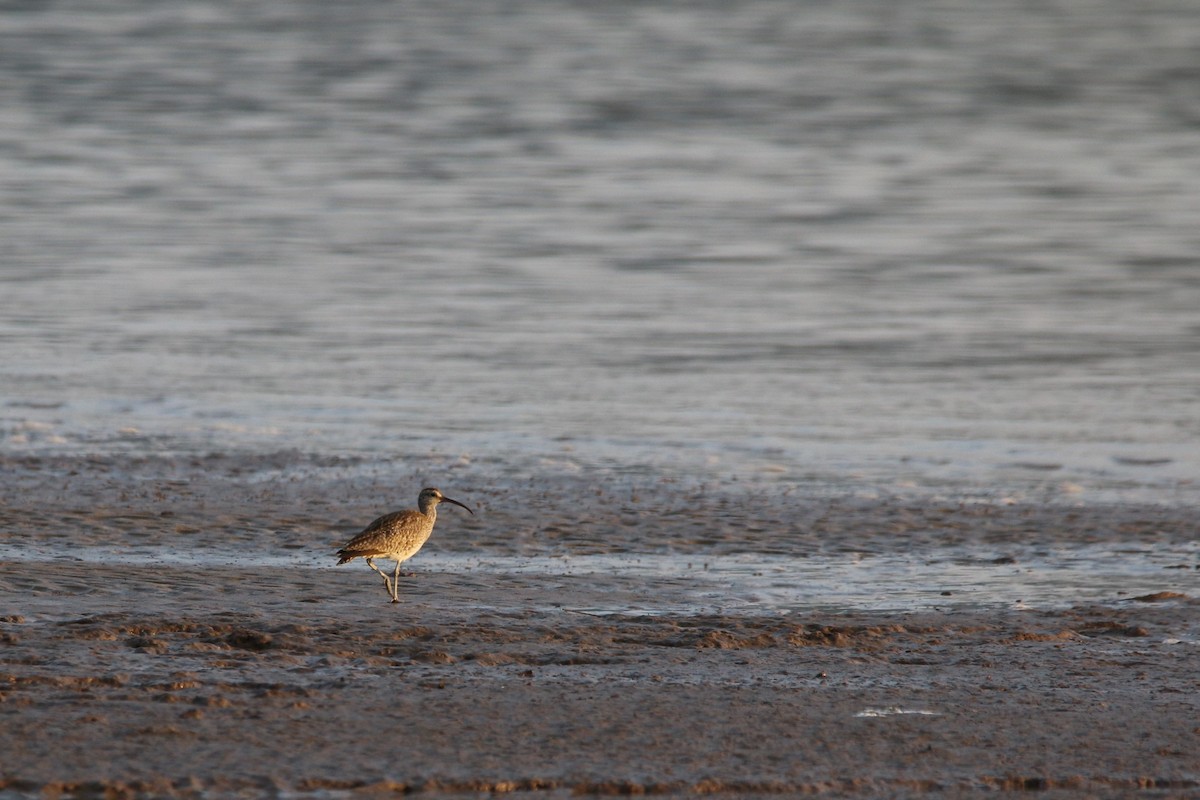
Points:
(256, 675)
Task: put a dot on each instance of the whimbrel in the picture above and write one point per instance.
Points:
(398, 536)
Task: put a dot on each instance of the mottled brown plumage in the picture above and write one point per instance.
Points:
(397, 536)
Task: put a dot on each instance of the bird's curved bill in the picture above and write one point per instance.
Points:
(455, 502)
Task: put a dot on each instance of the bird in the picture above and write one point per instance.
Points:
(397, 536)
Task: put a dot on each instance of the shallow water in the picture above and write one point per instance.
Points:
(927, 247)
(945, 579)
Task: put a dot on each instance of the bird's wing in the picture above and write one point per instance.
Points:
(395, 519)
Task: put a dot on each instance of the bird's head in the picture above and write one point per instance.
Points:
(430, 497)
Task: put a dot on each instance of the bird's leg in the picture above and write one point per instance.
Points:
(396, 583)
(386, 581)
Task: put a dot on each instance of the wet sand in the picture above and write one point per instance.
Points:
(125, 677)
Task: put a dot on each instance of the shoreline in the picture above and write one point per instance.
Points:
(205, 679)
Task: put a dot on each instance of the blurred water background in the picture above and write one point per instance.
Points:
(931, 247)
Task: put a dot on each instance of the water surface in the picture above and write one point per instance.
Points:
(921, 247)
